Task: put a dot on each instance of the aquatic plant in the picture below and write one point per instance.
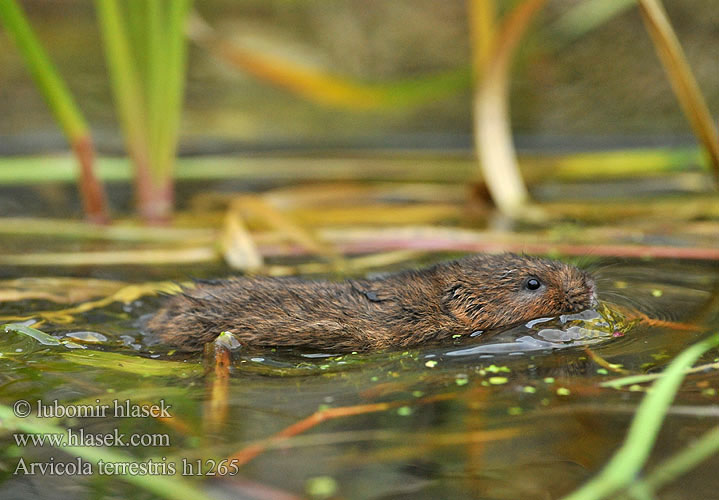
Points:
(145, 52)
(622, 469)
(60, 100)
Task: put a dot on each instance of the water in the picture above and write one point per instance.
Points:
(501, 415)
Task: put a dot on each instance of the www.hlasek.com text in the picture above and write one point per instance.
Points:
(78, 437)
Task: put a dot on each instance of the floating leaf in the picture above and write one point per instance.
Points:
(133, 364)
(125, 295)
(57, 289)
(41, 337)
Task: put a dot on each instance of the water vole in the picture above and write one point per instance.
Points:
(479, 292)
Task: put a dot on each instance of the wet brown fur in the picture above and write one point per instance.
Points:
(479, 292)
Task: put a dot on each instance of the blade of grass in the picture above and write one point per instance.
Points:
(377, 260)
(604, 363)
(147, 107)
(47, 78)
(630, 458)
(685, 460)
(41, 337)
(177, 12)
(154, 84)
(289, 227)
(57, 289)
(125, 295)
(137, 32)
(367, 240)
(158, 256)
(129, 102)
(483, 19)
(67, 228)
(321, 87)
(379, 214)
(132, 364)
(681, 78)
(62, 105)
(618, 383)
(618, 164)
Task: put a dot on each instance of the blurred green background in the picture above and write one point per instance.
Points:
(606, 87)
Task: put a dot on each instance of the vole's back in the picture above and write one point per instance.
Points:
(268, 311)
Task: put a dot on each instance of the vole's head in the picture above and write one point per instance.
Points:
(501, 290)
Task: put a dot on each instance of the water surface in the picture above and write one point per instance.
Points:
(502, 415)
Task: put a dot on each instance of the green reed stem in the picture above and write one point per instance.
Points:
(618, 164)
(52, 86)
(176, 17)
(145, 47)
(627, 462)
(62, 105)
(685, 460)
(156, 71)
(137, 33)
(125, 80)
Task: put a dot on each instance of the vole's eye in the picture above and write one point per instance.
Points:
(533, 284)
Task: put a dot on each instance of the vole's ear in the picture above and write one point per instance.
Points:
(452, 293)
(373, 292)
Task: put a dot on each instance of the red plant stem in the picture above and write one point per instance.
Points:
(632, 313)
(93, 195)
(154, 197)
(217, 405)
(251, 451)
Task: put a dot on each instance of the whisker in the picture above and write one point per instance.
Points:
(650, 309)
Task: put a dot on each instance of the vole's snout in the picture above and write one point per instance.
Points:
(580, 293)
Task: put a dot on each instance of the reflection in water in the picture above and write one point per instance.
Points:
(501, 415)
(541, 334)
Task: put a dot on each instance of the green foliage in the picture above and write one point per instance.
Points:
(145, 52)
(51, 85)
(631, 457)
